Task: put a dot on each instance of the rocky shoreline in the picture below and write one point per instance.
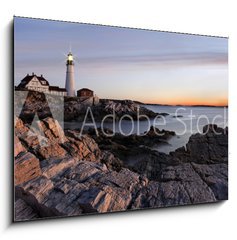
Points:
(29, 103)
(60, 173)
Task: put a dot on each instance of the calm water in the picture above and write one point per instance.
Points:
(192, 121)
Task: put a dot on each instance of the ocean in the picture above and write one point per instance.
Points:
(194, 119)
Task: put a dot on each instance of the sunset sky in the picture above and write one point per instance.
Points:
(122, 63)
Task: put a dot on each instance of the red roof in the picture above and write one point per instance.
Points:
(84, 89)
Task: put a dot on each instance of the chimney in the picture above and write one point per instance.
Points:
(33, 73)
(41, 75)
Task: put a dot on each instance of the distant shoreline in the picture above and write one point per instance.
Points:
(167, 105)
(164, 105)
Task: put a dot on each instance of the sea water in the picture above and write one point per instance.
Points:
(192, 121)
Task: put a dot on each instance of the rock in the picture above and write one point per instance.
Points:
(60, 204)
(159, 134)
(51, 151)
(216, 177)
(74, 108)
(23, 212)
(34, 103)
(18, 147)
(111, 161)
(178, 185)
(212, 128)
(164, 114)
(76, 175)
(54, 166)
(82, 148)
(147, 197)
(76, 191)
(194, 185)
(127, 147)
(106, 199)
(94, 200)
(50, 142)
(38, 187)
(117, 108)
(209, 147)
(32, 139)
(26, 168)
(34, 192)
(124, 179)
(86, 172)
(20, 127)
(52, 130)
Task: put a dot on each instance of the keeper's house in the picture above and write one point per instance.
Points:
(40, 84)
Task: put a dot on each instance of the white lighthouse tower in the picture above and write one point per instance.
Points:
(70, 82)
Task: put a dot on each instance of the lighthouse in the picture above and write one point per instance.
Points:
(70, 82)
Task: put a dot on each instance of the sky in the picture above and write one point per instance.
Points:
(123, 63)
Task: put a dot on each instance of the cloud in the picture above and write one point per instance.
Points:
(189, 58)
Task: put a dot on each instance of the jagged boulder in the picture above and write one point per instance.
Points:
(26, 168)
(20, 127)
(78, 187)
(74, 176)
(216, 177)
(18, 147)
(111, 161)
(82, 147)
(52, 130)
(51, 151)
(23, 212)
(209, 147)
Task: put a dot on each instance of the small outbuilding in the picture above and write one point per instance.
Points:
(85, 92)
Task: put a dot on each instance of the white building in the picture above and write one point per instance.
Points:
(70, 81)
(40, 84)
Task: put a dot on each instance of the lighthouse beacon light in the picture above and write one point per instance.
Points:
(70, 57)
